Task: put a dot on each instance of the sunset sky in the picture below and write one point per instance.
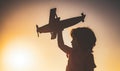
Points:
(22, 50)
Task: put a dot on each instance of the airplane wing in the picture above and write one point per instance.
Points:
(52, 19)
(52, 15)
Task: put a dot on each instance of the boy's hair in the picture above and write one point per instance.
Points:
(85, 37)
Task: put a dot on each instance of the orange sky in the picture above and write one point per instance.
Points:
(19, 38)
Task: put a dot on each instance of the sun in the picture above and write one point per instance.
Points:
(20, 54)
(18, 58)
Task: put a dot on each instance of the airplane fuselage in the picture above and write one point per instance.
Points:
(59, 25)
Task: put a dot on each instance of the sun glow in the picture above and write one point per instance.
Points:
(18, 59)
(20, 54)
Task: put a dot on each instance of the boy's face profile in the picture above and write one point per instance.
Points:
(74, 42)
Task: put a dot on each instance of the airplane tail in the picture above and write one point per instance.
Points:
(37, 30)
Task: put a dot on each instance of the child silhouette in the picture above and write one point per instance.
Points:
(80, 57)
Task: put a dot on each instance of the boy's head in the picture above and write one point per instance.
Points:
(84, 37)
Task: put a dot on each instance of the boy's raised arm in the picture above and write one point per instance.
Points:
(61, 44)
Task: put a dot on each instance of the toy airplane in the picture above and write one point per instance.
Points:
(55, 24)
